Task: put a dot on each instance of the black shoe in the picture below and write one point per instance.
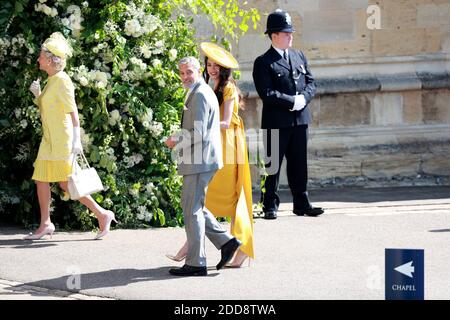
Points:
(270, 215)
(312, 212)
(186, 271)
(227, 252)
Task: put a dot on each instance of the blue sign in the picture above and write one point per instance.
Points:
(404, 273)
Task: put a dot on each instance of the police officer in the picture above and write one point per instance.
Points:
(286, 86)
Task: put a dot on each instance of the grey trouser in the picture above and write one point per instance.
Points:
(198, 220)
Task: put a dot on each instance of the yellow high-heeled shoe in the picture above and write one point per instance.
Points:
(47, 230)
(110, 217)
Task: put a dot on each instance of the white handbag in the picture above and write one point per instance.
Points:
(83, 181)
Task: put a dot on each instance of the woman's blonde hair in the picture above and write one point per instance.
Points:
(57, 62)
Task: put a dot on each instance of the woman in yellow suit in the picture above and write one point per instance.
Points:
(61, 135)
(229, 193)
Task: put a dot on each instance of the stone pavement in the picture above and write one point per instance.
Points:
(339, 255)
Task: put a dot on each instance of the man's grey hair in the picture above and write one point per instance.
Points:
(193, 61)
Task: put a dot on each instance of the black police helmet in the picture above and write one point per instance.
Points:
(279, 21)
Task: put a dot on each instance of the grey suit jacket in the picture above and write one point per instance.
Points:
(200, 144)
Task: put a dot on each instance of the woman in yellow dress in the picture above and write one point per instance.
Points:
(229, 193)
(61, 135)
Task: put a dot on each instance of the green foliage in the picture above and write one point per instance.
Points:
(129, 98)
(232, 16)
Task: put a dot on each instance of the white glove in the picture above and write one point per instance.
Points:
(76, 145)
(299, 102)
(35, 87)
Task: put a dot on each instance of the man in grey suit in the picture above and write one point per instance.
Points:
(199, 148)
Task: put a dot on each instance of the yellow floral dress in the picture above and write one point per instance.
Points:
(57, 100)
(229, 193)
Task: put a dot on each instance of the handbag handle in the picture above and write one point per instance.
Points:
(83, 157)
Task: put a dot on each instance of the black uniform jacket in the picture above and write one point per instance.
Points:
(277, 82)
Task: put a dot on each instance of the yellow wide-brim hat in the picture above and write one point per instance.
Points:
(219, 55)
(58, 45)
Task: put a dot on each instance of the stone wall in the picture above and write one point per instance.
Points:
(382, 112)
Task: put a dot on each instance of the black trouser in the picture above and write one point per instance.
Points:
(292, 144)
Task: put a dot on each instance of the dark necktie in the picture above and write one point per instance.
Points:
(285, 56)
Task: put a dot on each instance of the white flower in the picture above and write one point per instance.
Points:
(54, 12)
(142, 210)
(159, 44)
(85, 4)
(173, 54)
(115, 114)
(149, 187)
(86, 139)
(114, 117)
(156, 128)
(145, 51)
(74, 9)
(134, 192)
(83, 81)
(123, 65)
(108, 202)
(65, 22)
(95, 50)
(156, 63)
(17, 112)
(139, 63)
(47, 10)
(101, 85)
(42, 1)
(111, 101)
(136, 158)
(147, 116)
(23, 123)
(133, 28)
(121, 39)
(148, 217)
(161, 83)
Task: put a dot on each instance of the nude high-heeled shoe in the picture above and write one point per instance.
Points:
(238, 261)
(110, 217)
(181, 254)
(175, 258)
(47, 230)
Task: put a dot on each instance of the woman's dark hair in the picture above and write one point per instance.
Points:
(224, 78)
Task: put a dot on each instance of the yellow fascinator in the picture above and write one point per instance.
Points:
(219, 55)
(58, 45)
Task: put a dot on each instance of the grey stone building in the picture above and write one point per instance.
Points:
(382, 113)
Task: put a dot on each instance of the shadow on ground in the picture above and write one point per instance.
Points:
(103, 279)
(368, 195)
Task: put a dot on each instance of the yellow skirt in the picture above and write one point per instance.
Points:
(51, 170)
(229, 193)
